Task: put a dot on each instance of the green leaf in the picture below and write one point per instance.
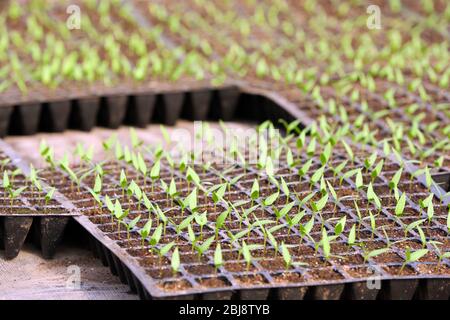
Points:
(285, 188)
(175, 261)
(164, 250)
(205, 245)
(305, 168)
(416, 255)
(192, 176)
(6, 183)
(317, 175)
(377, 252)
(255, 190)
(286, 255)
(448, 220)
(222, 218)
(348, 150)
(400, 207)
(306, 229)
(191, 200)
(352, 236)
(184, 223)
(413, 225)
(156, 236)
(359, 179)
(123, 179)
(373, 225)
(377, 171)
(145, 231)
(49, 195)
(271, 199)
(281, 213)
(165, 133)
(395, 179)
(172, 188)
(325, 155)
(325, 244)
(218, 260)
(142, 165)
(246, 252)
(371, 196)
(311, 149)
(340, 226)
(430, 212)
(320, 204)
(332, 191)
(109, 204)
(218, 194)
(201, 219)
(133, 222)
(155, 171)
(370, 161)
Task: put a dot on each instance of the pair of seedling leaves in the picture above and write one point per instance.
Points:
(14, 193)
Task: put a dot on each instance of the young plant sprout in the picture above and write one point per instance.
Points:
(123, 181)
(175, 261)
(164, 251)
(189, 202)
(201, 220)
(7, 185)
(119, 214)
(271, 199)
(145, 231)
(372, 197)
(49, 196)
(400, 206)
(202, 248)
(317, 206)
(304, 169)
(130, 226)
(306, 229)
(192, 177)
(220, 222)
(374, 253)
(280, 214)
(412, 256)
(218, 259)
(155, 173)
(254, 193)
(413, 226)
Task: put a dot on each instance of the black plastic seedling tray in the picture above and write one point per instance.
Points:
(127, 267)
(45, 222)
(141, 108)
(138, 108)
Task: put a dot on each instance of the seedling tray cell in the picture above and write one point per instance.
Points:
(141, 109)
(112, 111)
(197, 105)
(55, 116)
(5, 114)
(84, 113)
(25, 119)
(169, 107)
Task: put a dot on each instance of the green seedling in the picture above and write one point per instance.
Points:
(175, 261)
(400, 207)
(218, 259)
(202, 248)
(412, 256)
(145, 231)
(49, 195)
(130, 226)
